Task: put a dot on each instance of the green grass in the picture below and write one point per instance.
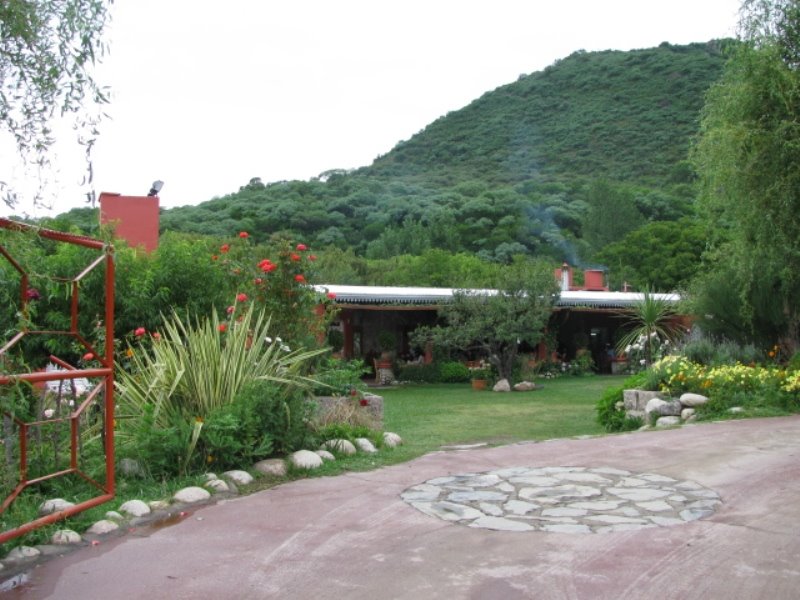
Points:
(430, 416)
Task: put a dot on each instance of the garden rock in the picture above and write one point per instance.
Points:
(365, 445)
(664, 408)
(158, 504)
(669, 421)
(65, 537)
(524, 386)
(135, 508)
(271, 466)
(687, 413)
(239, 477)
(210, 476)
(114, 515)
(131, 467)
(502, 386)
(736, 409)
(102, 527)
(305, 459)
(23, 554)
(325, 455)
(217, 485)
(392, 440)
(693, 400)
(55, 505)
(191, 494)
(341, 446)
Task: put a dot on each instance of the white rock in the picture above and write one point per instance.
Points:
(491, 509)
(49, 507)
(210, 476)
(686, 413)
(217, 485)
(305, 459)
(519, 507)
(692, 400)
(391, 440)
(735, 409)
(158, 504)
(341, 446)
(502, 386)
(564, 512)
(524, 386)
(448, 511)
(114, 515)
(637, 494)
(23, 553)
(271, 466)
(663, 408)
(477, 496)
(655, 505)
(325, 455)
(668, 421)
(365, 445)
(102, 527)
(500, 524)
(238, 477)
(135, 508)
(191, 494)
(64, 537)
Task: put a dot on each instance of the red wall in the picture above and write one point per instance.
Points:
(134, 218)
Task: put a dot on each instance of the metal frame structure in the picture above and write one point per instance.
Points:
(106, 372)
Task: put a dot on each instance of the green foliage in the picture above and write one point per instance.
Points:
(610, 408)
(419, 373)
(454, 372)
(650, 322)
(495, 324)
(339, 377)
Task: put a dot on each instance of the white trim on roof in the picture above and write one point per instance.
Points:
(368, 294)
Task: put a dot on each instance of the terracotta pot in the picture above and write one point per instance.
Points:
(479, 384)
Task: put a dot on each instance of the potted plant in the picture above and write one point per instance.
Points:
(387, 344)
(479, 377)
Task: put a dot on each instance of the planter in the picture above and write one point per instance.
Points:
(479, 384)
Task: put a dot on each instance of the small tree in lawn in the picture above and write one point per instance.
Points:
(497, 321)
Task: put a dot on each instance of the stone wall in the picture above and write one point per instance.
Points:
(669, 411)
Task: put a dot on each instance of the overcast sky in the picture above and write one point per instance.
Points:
(208, 94)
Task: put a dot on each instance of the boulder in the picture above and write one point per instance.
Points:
(191, 494)
(663, 408)
(271, 466)
(114, 515)
(217, 485)
(238, 477)
(54, 505)
(23, 554)
(686, 413)
(669, 421)
(135, 508)
(502, 386)
(391, 440)
(524, 386)
(65, 537)
(693, 400)
(158, 504)
(341, 446)
(102, 527)
(325, 455)
(305, 459)
(365, 445)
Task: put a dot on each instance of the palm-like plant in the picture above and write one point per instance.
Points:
(650, 317)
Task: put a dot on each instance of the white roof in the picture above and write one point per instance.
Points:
(368, 294)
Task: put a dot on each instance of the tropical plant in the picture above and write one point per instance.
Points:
(651, 318)
(193, 370)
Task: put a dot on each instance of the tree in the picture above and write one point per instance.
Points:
(748, 158)
(612, 213)
(497, 322)
(47, 50)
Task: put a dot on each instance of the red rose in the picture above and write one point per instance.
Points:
(244, 235)
(222, 327)
(241, 297)
(294, 257)
(139, 332)
(302, 247)
(300, 278)
(224, 248)
(229, 310)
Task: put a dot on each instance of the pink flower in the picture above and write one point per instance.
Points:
(302, 247)
(156, 336)
(294, 257)
(267, 265)
(32, 294)
(139, 331)
(222, 327)
(88, 356)
(229, 310)
(258, 281)
(224, 248)
(300, 278)
(312, 257)
(244, 235)
(241, 297)
(331, 296)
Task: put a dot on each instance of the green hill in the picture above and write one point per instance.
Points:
(536, 167)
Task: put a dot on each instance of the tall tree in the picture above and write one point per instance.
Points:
(748, 157)
(47, 51)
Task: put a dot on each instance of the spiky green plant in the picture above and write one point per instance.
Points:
(195, 369)
(652, 316)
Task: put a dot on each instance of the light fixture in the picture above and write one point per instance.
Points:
(156, 187)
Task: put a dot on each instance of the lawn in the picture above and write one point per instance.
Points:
(430, 416)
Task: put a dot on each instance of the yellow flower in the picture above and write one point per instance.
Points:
(129, 352)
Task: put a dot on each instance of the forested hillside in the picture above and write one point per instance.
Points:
(559, 163)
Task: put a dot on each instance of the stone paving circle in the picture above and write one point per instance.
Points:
(563, 499)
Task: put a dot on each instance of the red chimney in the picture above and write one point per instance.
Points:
(133, 218)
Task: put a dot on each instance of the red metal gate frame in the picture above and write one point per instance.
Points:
(106, 372)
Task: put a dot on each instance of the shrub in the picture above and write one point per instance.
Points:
(339, 377)
(611, 410)
(419, 373)
(453, 372)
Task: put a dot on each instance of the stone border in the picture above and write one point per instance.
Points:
(563, 499)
